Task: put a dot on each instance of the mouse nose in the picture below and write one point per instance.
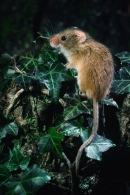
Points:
(54, 41)
(50, 40)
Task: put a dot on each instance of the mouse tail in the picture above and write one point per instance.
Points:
(88, 141)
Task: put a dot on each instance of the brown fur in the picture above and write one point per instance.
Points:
(94, 64)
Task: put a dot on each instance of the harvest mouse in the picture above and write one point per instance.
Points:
(94, 65)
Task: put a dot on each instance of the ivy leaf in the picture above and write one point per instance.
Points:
(121, 84)
(109, 102)
(23, 80)
(52, 75)
(98, 145)
(7, 128)
(4, 174)
(28, 183)
(51, 143)
(75, 107)
(5, 61)
(124, 57)
(4, 157)
(28, 62)
(17, 160)
(72, 128)
(48, 54)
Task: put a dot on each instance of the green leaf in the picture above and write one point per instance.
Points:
(52, 75)
(72, 128)
(17, 160)
(4, 174)
(51, 143)
(28, 62)
(98, 145)
(4, 157)
(75, 107)
(8, 128)
(28, 183)
(124, 57)
(10, 73)
(121, 84)
(23, 80)
(109, 102)
(5, 61)
(48, 54)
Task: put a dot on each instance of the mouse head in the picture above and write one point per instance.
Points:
(68, 39)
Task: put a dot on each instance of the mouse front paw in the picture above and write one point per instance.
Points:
(68, 65)
(81, 94)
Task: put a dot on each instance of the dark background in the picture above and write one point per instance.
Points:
(108, 21)
(20, 20)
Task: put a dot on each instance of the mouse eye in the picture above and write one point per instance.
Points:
(63, 38)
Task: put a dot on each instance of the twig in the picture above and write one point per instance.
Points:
(67, 160)
(14, 100)
(74, 178)
(16, 68)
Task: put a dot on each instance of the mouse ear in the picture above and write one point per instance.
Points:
(81, 36)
